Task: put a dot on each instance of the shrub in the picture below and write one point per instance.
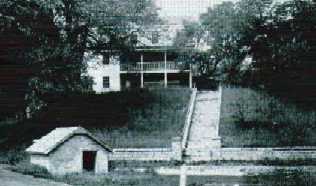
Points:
(30, 169)
(13, 156)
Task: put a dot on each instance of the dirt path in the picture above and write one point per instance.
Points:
(9, 178)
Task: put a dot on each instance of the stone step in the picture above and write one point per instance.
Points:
(191, 159)
(203, 134)
(203, 145)
(198, 154)
(197, 136)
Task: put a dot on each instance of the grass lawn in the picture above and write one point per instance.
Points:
(154, 125)
(118, 179)
(277, 178)
(251, 118)
(113, 178)
(131, 178)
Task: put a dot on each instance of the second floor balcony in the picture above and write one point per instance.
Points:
(155, 67)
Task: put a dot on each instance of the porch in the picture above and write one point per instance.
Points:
(155, 67)
(163, 71)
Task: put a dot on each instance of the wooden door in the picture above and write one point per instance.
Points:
(88, 160)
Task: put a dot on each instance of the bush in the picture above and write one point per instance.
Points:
(30, 169)
(13, 156)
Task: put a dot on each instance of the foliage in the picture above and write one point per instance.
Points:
(46, 41)
(190, 42)
(12, 156)
(30, 169)
(277, 36)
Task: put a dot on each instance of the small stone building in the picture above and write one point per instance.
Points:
(70, 150)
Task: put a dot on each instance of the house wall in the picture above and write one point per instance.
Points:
(97, 70)
(68, 157)
(41, 160)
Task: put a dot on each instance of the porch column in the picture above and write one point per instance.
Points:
(165, 74)
(141, 71)
(190, 76)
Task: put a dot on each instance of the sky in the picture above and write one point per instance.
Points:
(185, 8)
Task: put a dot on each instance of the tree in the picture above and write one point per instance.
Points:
(279, 38)
(192, 38)
(24, 28)
(54, 35)
(284, 50)
(229, 26)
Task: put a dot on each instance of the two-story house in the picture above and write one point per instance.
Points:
(153, 62)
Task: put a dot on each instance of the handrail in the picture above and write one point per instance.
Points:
(151, 66)
(187, 125)
(220, 92)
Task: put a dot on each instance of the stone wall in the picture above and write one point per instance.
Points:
(149, 154)
(257, 154)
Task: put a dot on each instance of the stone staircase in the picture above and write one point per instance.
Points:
(203, 134)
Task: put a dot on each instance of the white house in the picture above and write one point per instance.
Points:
(154, 62)
(70, 150)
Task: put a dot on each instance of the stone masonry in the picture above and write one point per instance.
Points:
(203, 134)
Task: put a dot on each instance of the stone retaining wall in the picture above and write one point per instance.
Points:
(257, 154)
(142, 154)
(149, 154)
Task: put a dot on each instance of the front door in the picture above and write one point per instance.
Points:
(88, 160)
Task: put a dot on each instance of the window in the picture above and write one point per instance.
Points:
(106, 59)
(106, 82)
(134, 38)
(155, 37)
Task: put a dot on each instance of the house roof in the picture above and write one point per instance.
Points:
(58, 136)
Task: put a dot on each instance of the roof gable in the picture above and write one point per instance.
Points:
(57, 137)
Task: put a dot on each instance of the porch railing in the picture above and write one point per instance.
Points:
(153, 66)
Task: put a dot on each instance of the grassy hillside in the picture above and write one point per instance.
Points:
(253, 118)
(138, 118)
(152, 125)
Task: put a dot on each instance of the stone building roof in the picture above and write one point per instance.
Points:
(57, 137)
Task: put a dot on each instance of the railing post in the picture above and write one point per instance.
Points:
(165, 74)
(183, 176)
(190, 76)
(141, 71)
